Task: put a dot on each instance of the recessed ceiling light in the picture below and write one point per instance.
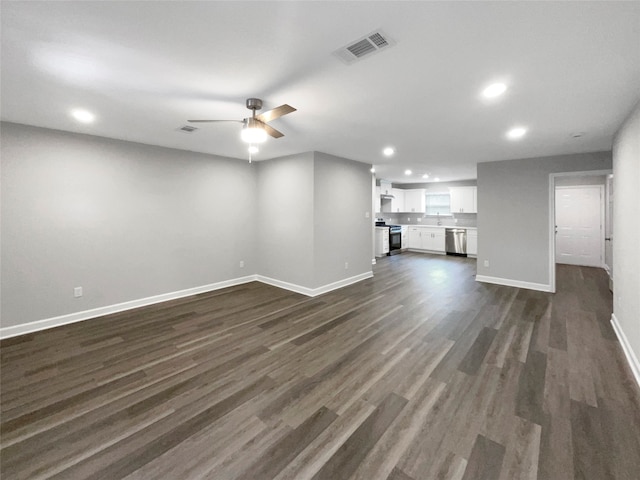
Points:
(388, 151)
(516, 133)
(253, 149)
(373, 170)
(408, 172)
(83, 116)
(426, 175)
(494, 90)
(437, 179)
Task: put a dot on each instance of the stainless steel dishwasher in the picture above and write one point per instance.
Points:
(456, 241)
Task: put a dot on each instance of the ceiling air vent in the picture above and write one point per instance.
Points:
(372, 43)
(187, 129)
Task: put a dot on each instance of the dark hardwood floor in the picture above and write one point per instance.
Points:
(417, 373)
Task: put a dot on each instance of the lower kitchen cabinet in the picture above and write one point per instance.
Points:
(427, 238)
(415, 240)
(382, 241)
(472, 243)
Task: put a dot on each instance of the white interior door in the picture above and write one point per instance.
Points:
(579, 225)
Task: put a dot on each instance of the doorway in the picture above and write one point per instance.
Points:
(576, 179)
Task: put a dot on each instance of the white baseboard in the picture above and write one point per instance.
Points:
(433, 252)
(7, 332)
(514, 283)
(626, 348)
(313, 292)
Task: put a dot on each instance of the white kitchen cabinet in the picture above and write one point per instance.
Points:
(472, 242)
(405, 237)
(463, 199)
(377, 207)
(382, 241)
(397, 203)
(385, 188)
(415, 201)
(434, 239)
(414, 240)
(427, 238)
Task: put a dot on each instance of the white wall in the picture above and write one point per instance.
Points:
(513, 215)
(285, 219)
(123, 220)
(436, 187)
(626, 240)
(342, 197)
(129, 222)
(311, 219)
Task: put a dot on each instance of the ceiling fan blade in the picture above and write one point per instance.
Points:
(210, 121)
(272, 131)
(275, 113)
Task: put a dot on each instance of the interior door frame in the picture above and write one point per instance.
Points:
(608, 227)
(552, 217)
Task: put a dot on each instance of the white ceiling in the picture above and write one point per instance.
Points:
(144, 68)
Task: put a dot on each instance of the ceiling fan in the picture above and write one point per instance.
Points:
(255, 129)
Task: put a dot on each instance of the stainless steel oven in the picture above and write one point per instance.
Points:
(395, 236)
(395, 239)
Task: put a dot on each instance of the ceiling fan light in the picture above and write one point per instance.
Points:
(253, 135)
(253, 132)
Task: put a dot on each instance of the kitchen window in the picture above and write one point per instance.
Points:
(438, 204)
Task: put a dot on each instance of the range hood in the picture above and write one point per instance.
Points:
(384, 196)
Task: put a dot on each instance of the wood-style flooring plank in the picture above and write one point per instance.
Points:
(417, 373)
(348, 457)
(485, 462)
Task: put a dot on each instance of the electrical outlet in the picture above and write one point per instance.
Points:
(367, 214)
(346, 265)
(77, 292)
(241, 263)
(486, 263)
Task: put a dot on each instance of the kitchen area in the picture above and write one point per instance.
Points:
(429, 218)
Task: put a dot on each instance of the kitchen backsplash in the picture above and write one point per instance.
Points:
(463, 219)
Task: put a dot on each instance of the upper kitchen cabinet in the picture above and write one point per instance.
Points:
(464, 199)
(414, 201)
(385, 188)
(397, 203)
